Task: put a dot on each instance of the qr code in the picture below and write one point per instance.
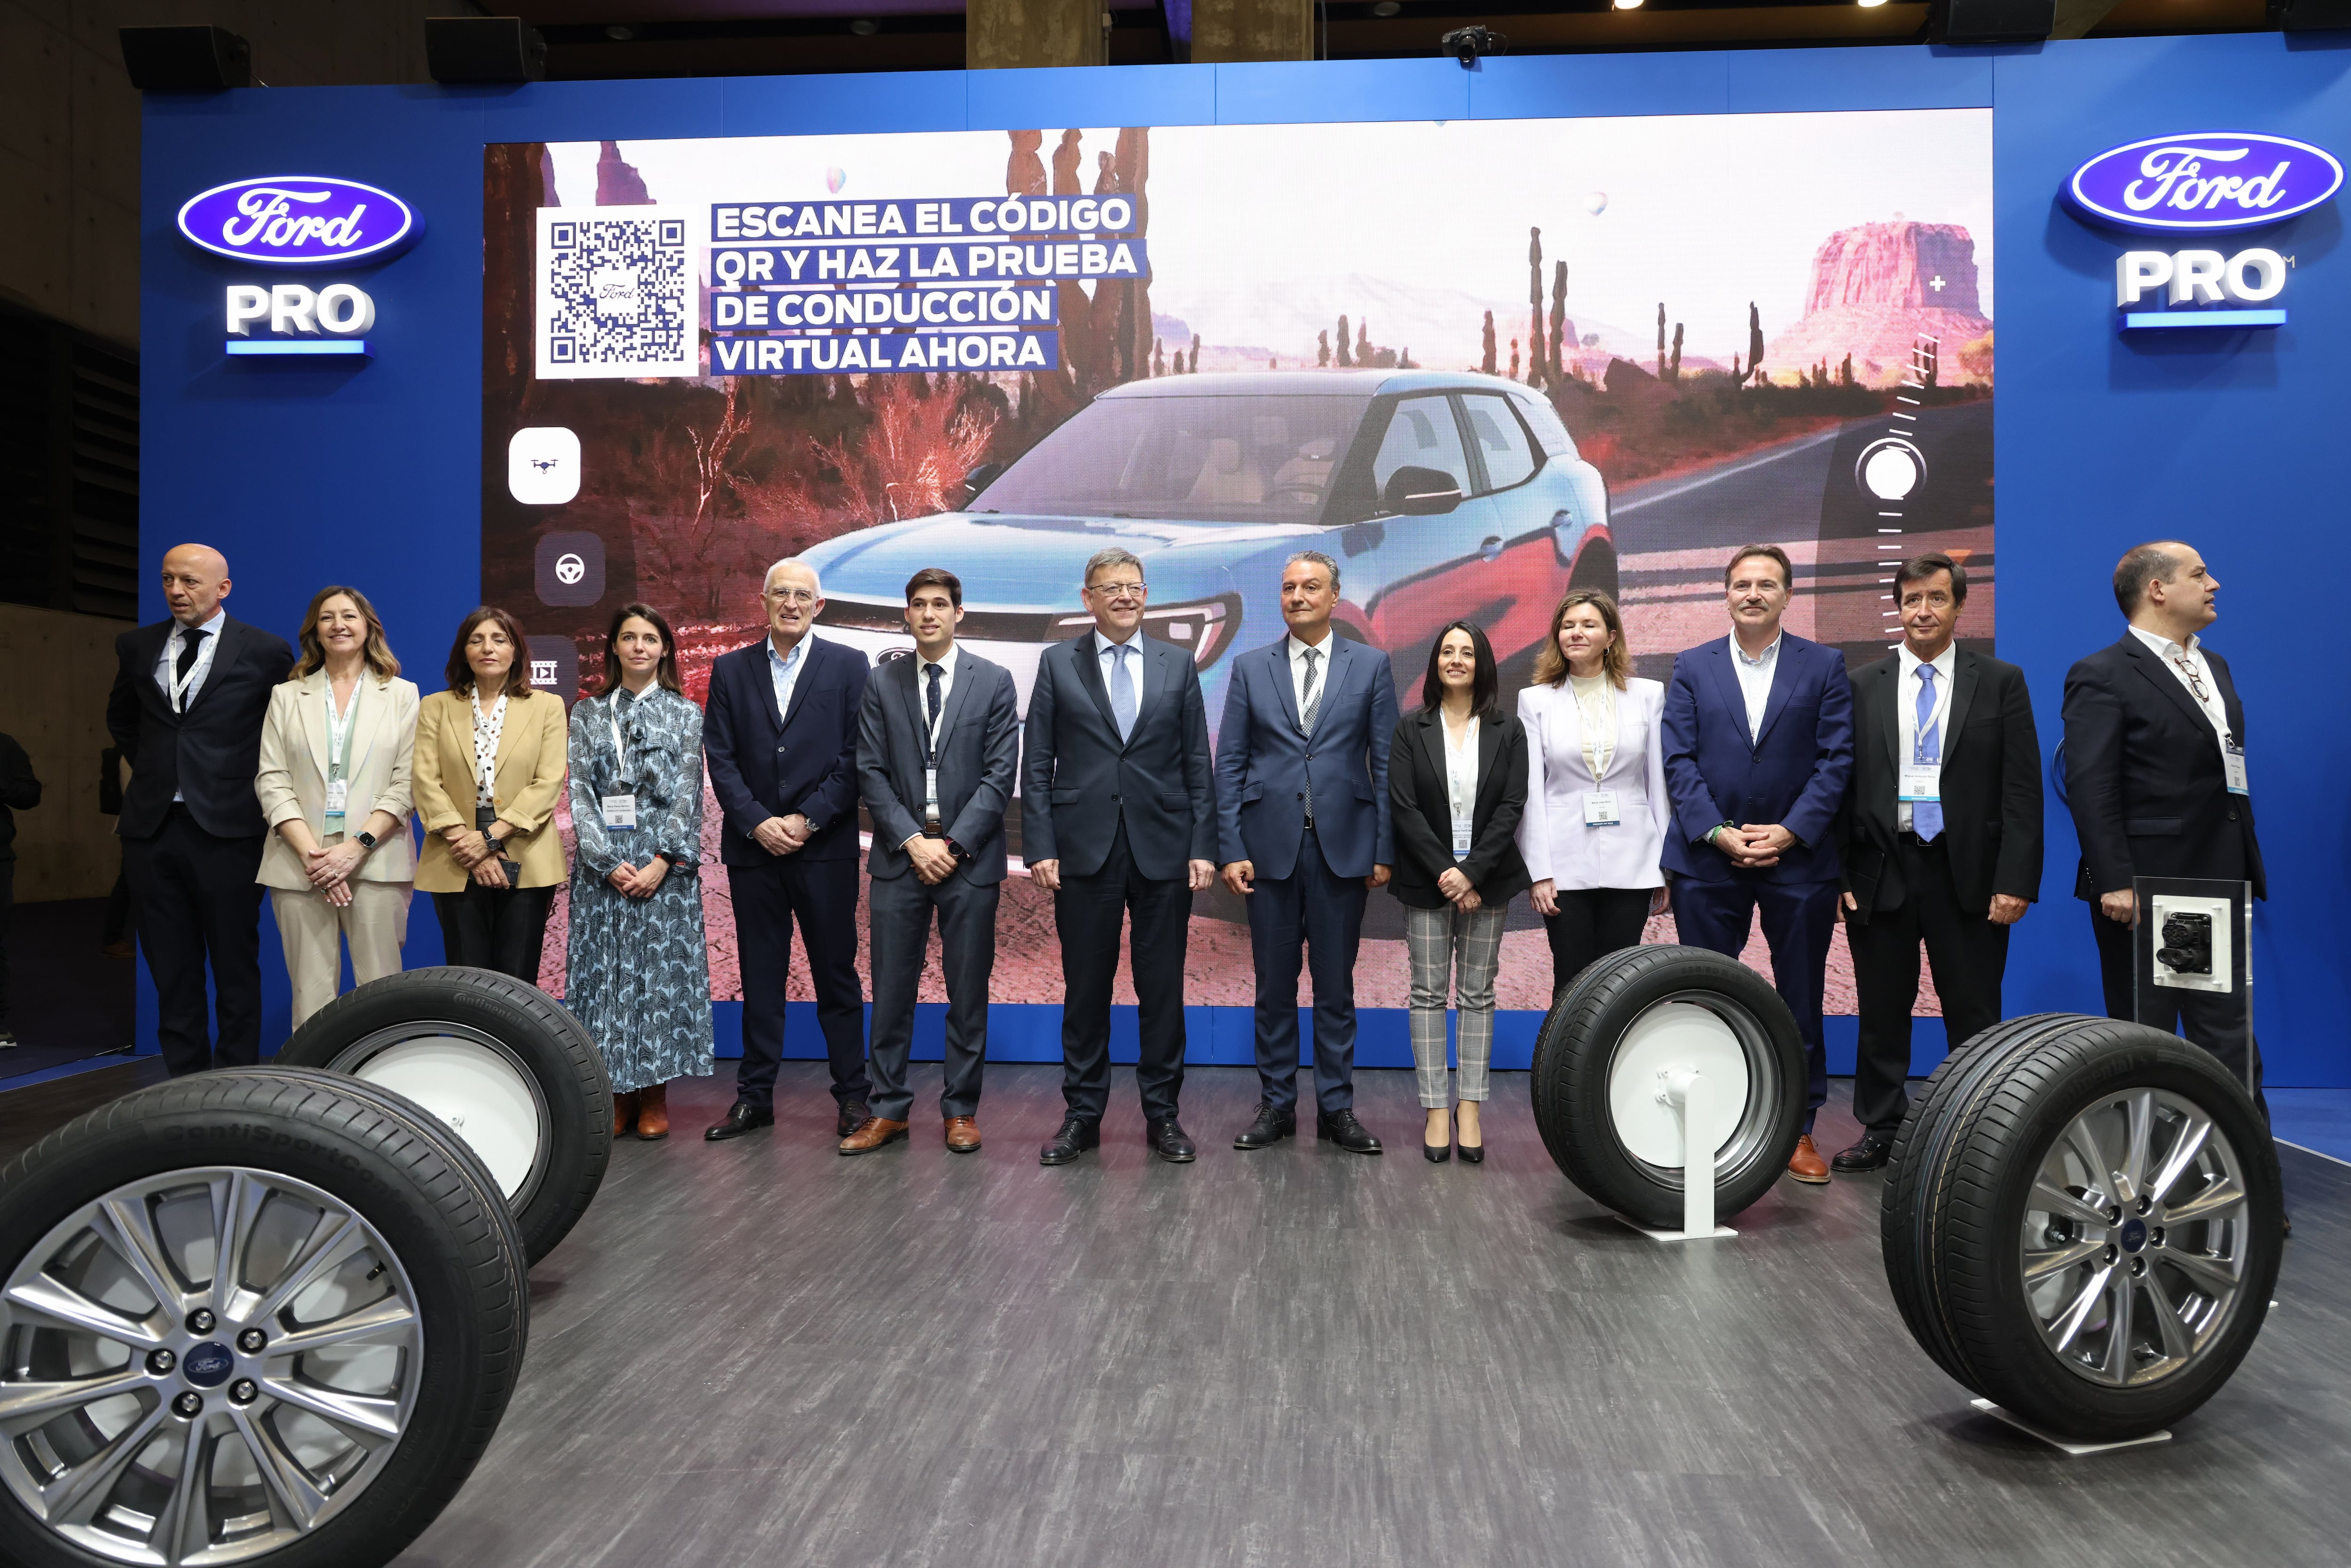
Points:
(615, 294)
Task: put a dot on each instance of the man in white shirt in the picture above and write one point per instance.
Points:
(2158, 781)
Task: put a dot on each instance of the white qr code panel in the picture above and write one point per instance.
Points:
(617, 292)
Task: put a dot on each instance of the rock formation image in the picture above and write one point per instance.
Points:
(1874, 289)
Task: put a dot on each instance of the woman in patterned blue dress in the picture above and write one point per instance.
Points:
(638, 974)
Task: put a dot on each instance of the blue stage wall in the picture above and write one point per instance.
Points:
(307, 474)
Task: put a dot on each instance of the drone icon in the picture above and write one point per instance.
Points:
(545, 465)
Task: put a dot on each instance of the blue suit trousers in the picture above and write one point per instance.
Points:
(1316, 910)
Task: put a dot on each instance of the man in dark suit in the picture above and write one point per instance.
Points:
(779, 735)
(2155, 775)
(938, 742)
(1759, 745)
(1302, 814)
(190, 696)
(1939, 839)
(1118, 817)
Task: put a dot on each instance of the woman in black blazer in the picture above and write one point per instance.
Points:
(1457, 785)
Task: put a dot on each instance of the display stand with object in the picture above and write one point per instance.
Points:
(1685, 1090)
(2066, 1446)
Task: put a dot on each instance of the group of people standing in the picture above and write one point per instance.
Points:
(1761, 780)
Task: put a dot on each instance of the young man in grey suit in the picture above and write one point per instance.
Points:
(1302, 781)
(938, 739)
(1118, 817)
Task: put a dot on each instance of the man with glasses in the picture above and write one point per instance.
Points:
(779, 735)
(1118, 819)
(2155, 773)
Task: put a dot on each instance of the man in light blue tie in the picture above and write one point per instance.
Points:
(1118, 820)
(1939, 839)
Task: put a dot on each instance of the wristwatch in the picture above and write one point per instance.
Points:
(364, 839)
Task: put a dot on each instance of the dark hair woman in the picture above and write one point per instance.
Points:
(1596, 807)
(1456, 783)
(489, 769)
(637, 973)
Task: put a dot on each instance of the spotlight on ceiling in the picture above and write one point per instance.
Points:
(865, 27)
(1869, 4)
(1627, 4)
(1387, 8)
(1468, 44)
(619, 32)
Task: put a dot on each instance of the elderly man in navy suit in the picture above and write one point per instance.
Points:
(779, 735)
(1759, 747)
(1303, 792)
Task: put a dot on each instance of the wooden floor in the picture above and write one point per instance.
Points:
(760, 1353)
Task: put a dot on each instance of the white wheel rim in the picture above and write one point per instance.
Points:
(1673, 1035)
(471, 1083)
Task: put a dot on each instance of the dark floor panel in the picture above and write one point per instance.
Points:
(761, 1352)
(28, 1114)
(67, 1000)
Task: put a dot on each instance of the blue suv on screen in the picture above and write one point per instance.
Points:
(1441, 496)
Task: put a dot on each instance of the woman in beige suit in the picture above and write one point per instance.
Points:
(490, 756)
(334, 786)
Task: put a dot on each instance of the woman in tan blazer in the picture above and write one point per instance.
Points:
(336, 750)
(490, 756)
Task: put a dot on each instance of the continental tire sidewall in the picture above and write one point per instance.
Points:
(368, 1158)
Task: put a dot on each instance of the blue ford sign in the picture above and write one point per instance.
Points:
(2204, 181)
(298, 220)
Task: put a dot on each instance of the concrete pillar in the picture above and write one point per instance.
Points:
(1002, 34)
(1252, 30)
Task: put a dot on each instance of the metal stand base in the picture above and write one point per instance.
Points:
(2071, 1449)
(1718, 1233)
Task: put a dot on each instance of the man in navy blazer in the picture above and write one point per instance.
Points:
(1118, 817)
(1302, 818)
(939, 745)
(1759, 747)
(779, 736)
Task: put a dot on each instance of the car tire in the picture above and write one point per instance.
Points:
(498, 1059)
(385, 1282)
(1598, 1054)
(2082, 1222)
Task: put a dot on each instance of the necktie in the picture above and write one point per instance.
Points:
(1311, 708)
(931, 704)
(1927, 816)
(192, 647)
(1121, 691)
(931, 750)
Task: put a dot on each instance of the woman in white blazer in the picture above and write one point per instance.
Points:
(1596, 815)
(336, 754)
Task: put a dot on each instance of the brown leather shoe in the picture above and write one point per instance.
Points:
(1806, 1164)
(871, 1134)
(652, 1113)
(963, 1134)
(624, 1113)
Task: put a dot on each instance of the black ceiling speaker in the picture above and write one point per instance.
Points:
(185, 59)
(460, 50)
(2310, 16)
(1990, 21)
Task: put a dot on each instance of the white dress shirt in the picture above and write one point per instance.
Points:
(1596, 706)
(1460, 768)
(1907, 714)
(946, 668)
(1755, 681)
(1296, 651)
(2180, 661)
(167, 665)
(1108, 662)
(784, 672)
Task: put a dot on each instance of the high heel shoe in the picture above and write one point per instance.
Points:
(1475, 1154)
(1437, 1153)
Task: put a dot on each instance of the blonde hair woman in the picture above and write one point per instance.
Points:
(1595, 825)
(489, 768)
(334, 785)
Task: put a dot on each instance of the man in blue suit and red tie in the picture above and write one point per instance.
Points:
(779, 735)
(1759, 747)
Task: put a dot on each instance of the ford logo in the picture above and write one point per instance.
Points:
(2205, 180)
(298, 220)
(208, 1366)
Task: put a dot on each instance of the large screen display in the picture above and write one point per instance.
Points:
(1636, 343)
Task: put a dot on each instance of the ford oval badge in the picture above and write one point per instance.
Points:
(2205, 180)
(298, 220)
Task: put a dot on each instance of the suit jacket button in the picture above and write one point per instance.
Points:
(1301, 794)
(2232, 814)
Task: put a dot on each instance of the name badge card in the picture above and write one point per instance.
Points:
(619, 814)
(339, 796)
(931, 793)
(1600, 808)
(1461, 829)
(2233, 758)
(1921, 781)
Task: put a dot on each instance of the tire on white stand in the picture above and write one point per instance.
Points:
(2086, 1227)
(268, 1317)
(498, 1058)
(1627, 1019)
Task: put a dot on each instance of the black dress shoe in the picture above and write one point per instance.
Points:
(1169, 1141)
(741, 1118)
(1076, 1136)
(1269, 1128)
(1341, 1128)
(851, 1117)
(1473, 1153)
(1871, 1154)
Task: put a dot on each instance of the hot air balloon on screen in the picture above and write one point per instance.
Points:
(835, 179)
(1595, 202)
